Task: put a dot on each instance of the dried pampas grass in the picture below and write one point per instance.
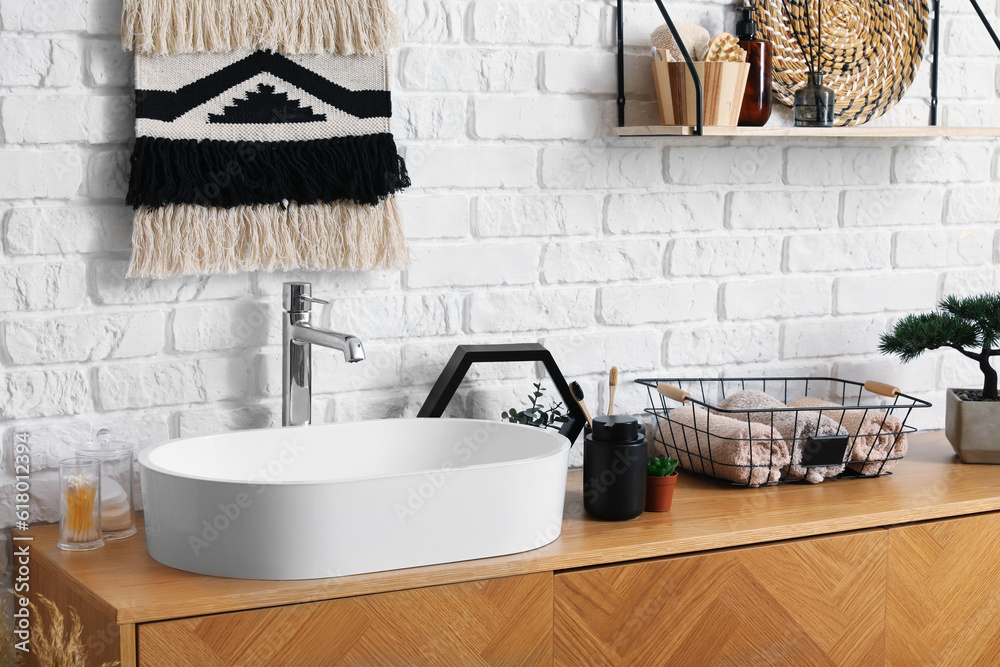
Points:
(9, 655)
(52, 644)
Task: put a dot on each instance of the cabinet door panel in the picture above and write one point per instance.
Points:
(944, 593)
(103, 640)
(496, 622)
(807, 602)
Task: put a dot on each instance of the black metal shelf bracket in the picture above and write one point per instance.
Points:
(936, 51)
(621, 64)
(466, 355)
(699, 129)
(699, 105)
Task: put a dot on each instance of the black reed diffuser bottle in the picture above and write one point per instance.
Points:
(814, 102)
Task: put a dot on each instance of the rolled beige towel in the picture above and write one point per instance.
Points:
(694, 37)
(874, 440)
(795, 427)
(734, 444)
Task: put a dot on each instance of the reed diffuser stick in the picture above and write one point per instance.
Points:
(810, 50)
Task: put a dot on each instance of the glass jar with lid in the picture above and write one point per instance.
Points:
(117, 506)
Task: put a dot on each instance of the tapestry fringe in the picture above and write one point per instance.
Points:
(156, 27)
(363, 169)
(182, 240)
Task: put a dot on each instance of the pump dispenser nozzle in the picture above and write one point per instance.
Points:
(746, 26)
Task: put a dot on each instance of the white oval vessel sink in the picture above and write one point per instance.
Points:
(325, 501)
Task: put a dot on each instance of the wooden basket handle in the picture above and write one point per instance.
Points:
(675, 393)
(882, 389)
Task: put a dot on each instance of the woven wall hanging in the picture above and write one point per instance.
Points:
(262, 136)
(871, 51)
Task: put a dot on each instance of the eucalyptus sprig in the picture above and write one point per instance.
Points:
(661, 466)
(535, 415)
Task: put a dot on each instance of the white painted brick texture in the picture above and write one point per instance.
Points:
(546, 117)
(526, 221)
(518, 22)
(83, 337)
(844, 166)
(726, 165)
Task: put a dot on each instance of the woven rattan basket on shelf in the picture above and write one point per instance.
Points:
(871, 50)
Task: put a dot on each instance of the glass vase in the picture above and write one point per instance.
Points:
(814, 103)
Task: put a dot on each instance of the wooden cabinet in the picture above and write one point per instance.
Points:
(706, 583)
(495, 622)
(816, 601)
(104, 638)
(919, 594)
(943, 604)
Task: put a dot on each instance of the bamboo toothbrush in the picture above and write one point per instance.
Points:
(613, 384)
(577, 392)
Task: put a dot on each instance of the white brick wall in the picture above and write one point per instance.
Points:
(536, 118)
(29, 174)
(516, 22)
(846, 166)
(527, 222)
(146, 385)
(83, 337)
(726, 165)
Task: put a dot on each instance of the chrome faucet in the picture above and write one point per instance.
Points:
(298, 336)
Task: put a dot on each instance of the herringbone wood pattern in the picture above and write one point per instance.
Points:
(944, 593)
(496, 622)
(810, 602)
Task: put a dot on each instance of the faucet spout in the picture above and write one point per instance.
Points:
(298, 336)
(351, 346)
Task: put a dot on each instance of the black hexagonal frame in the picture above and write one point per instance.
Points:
(466, 355)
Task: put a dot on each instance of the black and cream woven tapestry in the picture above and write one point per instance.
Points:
(262, 137)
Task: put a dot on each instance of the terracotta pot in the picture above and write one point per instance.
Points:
(972, 427)
(660, 492)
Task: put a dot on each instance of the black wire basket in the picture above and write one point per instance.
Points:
(833, 428)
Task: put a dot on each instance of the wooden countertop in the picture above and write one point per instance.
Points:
(929, 483)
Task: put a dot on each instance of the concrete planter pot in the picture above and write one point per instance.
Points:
(973, 428)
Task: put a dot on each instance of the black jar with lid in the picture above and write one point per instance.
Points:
(614, 468)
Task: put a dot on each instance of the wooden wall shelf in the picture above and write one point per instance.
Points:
(784, 131)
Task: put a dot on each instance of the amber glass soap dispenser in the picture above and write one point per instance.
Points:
(757, 99)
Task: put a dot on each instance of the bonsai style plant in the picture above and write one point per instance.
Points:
(535, 415)
(661, 478)
(971, 326)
